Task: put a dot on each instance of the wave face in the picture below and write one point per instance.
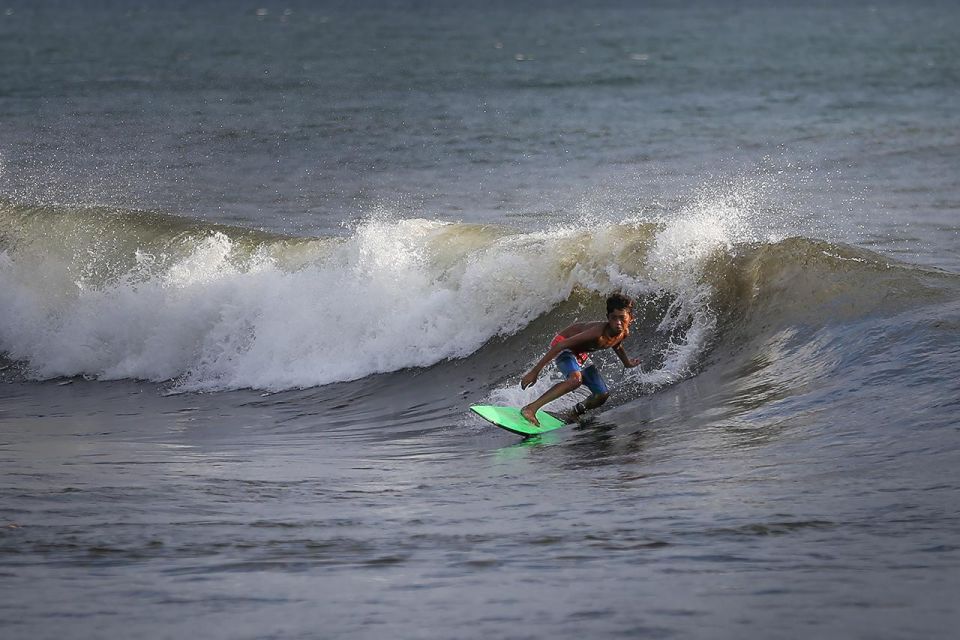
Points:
(118, 294)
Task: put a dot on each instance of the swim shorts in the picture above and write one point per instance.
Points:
(567, 363)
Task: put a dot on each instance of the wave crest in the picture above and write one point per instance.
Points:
(130, 295)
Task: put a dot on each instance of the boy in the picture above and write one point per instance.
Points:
(571, 348)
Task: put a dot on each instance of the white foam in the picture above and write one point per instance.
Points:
(391, 295)
(715, 221)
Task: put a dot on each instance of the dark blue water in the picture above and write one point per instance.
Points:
(257, 261)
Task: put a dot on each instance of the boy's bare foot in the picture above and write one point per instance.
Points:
(530, 415)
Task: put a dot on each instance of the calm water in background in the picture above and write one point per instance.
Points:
(257, 261)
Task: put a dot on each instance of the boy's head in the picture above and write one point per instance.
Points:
(619, 311)
(619, 301)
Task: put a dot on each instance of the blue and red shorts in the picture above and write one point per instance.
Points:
(567, 363)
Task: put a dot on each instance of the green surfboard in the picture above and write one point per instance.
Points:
(509, 418)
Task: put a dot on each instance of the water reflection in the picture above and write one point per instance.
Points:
(592, 443)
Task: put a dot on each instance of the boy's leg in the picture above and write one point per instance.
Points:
(600, 392)
(561, 388)
(571, 368)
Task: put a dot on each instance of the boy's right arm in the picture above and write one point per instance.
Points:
(531, 376)
(569, 343)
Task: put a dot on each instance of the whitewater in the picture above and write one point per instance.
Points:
(218, 308)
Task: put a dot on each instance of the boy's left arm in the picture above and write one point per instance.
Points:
(626, 360)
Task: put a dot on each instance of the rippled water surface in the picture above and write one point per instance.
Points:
(257, 262)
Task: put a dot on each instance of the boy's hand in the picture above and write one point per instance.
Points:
(635, 363)
(528, 379)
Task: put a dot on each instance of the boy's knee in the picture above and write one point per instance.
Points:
(600, 398)
(575, 379)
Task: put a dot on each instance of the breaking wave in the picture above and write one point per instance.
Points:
(121, 294)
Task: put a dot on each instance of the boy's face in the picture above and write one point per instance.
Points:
(619, 319)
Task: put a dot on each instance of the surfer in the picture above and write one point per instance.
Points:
(571, 348)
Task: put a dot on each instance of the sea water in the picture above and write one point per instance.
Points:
(256, 262)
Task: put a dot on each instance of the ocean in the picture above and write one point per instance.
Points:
(258, 259)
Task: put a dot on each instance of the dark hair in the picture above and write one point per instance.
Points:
(619, 301)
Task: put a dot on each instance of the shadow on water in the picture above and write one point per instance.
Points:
(591, 443)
